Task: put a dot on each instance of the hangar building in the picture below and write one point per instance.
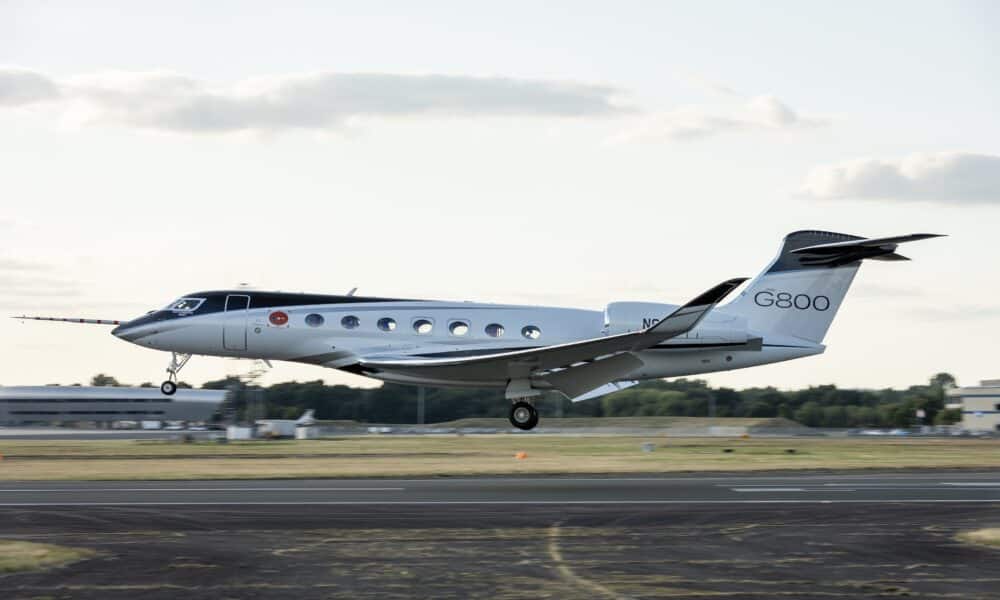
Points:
(980, 405)
(73, 403)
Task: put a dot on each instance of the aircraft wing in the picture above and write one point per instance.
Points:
(582, 358)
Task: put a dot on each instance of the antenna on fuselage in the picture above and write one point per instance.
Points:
(351, 293)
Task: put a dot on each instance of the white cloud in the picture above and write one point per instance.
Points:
(710, 86)
(16, 264)
(174, 102)
(13, 285)
(945, 177)
(167, 101)
(878, 290)
(762, 113)
(972, 312)
(20, 286)
(21, 86)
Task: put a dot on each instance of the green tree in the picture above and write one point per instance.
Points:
(102, 380)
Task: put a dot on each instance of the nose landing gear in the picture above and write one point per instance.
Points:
(523, 415)
(177, 362)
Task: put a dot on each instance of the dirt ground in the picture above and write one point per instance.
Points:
(749, 551)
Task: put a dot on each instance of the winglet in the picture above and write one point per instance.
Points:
(685, 318)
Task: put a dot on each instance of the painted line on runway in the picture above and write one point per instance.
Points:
(221, 489)
(972, 484)
(768, 489)
(512, 502)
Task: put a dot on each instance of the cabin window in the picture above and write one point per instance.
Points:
(186, 304)
(350, 322)
(459, 327)
(387, 324)
(494, 330)
(314, 319)
(423, 326)
(531, 332)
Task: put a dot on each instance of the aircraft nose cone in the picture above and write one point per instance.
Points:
(131, 331)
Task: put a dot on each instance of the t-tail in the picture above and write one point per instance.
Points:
(799, 293)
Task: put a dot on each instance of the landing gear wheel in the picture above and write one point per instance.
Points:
(177, 362)
(523, 415)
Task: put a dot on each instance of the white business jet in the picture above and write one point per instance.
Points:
(783, 314)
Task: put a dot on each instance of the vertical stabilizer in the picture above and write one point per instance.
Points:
(799, 293)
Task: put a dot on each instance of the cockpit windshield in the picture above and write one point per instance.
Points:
(186, 304)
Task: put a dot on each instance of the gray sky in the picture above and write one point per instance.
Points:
(567, 153)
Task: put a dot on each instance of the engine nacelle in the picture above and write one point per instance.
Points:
(717, 327)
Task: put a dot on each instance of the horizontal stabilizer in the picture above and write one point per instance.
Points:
(834, 247)
(841, 253)
(70, 320)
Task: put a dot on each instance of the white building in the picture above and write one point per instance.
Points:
(76, 403)
(980, 405)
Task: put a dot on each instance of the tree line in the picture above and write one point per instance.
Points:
(815, 406)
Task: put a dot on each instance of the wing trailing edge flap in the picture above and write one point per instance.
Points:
(579, 381)
(604, 390)
(522, 364)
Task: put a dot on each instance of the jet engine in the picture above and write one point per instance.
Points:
(717, 327)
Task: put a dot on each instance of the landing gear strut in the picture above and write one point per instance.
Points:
(523, 415)
(177, 362)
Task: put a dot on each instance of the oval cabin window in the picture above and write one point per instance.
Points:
(423, 326)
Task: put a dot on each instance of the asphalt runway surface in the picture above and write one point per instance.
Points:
(789, 535)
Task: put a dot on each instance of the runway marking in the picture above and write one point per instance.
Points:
(221, 489)
(768, 489)
(973, 484)
(512, 502)
(888, 486)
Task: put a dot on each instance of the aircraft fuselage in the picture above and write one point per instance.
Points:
(335, 331)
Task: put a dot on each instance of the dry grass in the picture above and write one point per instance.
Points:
(985, 537)
(370, 456)
(29, 556)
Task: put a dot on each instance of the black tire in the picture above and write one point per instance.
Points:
(523, 415)
(168, 388)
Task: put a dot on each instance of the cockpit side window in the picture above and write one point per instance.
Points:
(186, 305)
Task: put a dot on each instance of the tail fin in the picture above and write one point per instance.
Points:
(799, 293)
(307, 418)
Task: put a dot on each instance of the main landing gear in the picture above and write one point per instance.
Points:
(523, 415)
(177, 362)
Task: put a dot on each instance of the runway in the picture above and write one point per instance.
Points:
(790, 535)
(946, 486)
